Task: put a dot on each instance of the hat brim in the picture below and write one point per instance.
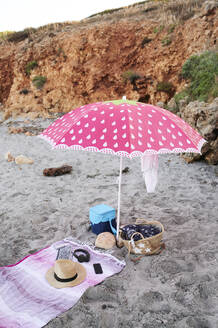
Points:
(81, 275)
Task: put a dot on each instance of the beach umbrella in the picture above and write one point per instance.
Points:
(124, 128)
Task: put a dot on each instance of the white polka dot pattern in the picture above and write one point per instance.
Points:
(126, 130)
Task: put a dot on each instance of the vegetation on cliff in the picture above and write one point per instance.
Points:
(30, 66)
(4, 35)
(39, 81)
(201, 71)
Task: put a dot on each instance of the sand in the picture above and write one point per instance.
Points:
(178, 288)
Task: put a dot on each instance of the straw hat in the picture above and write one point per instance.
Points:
(65, 273)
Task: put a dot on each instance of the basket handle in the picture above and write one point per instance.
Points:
(133, 242)
(138, 221)
(136, 233)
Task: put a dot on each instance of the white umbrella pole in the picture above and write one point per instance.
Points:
(119, 193)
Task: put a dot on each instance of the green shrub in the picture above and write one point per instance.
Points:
(158, 29)
(166, 41)
(107, 11)
(214, 91)
(4, 35)
(181, 95)
(171, 28)
(39, 81)
(18, 36)
(165, 86)
(148, 10)
(30, 66)
(131, 76)
(201, 71)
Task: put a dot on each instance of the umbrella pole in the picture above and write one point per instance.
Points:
(119, 192)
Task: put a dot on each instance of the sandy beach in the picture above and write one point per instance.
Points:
(175, 289)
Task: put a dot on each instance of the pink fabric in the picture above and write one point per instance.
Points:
(124, 129)
(28, 301)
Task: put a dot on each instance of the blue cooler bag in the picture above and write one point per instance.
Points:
(102, 218)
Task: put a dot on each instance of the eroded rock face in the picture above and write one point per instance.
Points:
(203, 117)
(85, 62)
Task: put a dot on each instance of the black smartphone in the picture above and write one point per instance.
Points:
(97, 268)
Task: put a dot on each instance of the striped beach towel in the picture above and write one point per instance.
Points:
(28, 301)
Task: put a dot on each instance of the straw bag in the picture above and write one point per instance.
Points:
(145, 246)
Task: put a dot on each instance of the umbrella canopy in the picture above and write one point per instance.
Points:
(124, 128)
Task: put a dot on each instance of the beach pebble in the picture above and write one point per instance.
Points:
(23, 160)
(105, 240)
(9, 157)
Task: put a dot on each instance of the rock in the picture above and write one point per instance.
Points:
(212, 155)
(160, 104)
(105, 240)
(190, 158)
(13, 130)
(203, 117)
(172, 106)
(33, 115)
(6, 115)
(125, 170)
(29, 134)
(9, 157)
(209, 7)
(23, 160)
(55, 171)
(183, 103)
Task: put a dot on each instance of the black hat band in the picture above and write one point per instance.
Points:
(65, 280)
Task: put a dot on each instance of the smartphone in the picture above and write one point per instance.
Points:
(97, 268)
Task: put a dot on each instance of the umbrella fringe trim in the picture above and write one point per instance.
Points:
(123, 153)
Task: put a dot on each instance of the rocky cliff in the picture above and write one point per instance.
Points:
(89, 60)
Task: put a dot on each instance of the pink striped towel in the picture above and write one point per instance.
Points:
(28, 301)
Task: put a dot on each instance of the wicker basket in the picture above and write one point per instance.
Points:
(145, 246)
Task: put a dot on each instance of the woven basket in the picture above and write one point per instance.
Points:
(146, 246)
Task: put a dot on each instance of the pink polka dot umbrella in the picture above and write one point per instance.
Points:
(123, 128)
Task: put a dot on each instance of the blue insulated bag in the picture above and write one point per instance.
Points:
(102, 218)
